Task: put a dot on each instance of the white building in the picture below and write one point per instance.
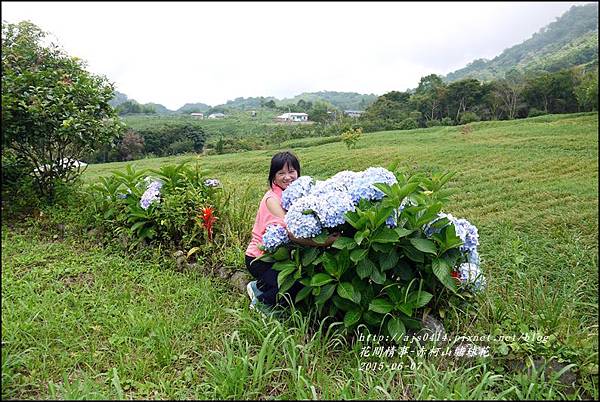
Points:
(197, 115)
(295, 117)
(216, 116)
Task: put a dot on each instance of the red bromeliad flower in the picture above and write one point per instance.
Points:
(207, 220)
(455, 275)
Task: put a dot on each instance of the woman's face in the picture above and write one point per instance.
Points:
(285, 176)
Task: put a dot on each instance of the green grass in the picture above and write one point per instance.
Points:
(80, 321)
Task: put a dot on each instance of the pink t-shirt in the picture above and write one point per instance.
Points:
(264, 217)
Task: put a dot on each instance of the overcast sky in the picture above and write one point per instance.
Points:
(180, 52)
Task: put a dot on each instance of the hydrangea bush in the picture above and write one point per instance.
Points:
(397, 255)
(163, 205)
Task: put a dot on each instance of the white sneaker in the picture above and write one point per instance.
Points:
(253, 293)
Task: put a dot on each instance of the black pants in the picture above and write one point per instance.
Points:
(266, 281)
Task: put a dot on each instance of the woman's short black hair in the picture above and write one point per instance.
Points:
(281, 159)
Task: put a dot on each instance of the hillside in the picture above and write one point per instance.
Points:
(119, 98)
(160, 109)
(193, 107)
(341, 100)
(242, 103)
(571, 40)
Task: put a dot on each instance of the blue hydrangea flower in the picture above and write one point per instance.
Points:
(345, 178)
(467, 233)
(322, 187)
(275, 236)
(212, 183)
(151, 195)
(301, 219)
(298, 188)
(473, 257)
(471, 277)
(362, 186)
(331, 208)
(341, 181)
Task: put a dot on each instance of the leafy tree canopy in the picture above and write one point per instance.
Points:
(52, 108)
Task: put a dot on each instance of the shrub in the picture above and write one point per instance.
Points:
(351, 137)
(468, 117)
(131, 147)
(159, 137)
(533, 112)
(397, 255)
(160, 206)
(53, 110)
(370, 125)
(181, 147)
(447, 121)
(408, 124)
(19, 190)
(13, 169)
(433, 123)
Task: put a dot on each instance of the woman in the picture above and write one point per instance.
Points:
(285, 168)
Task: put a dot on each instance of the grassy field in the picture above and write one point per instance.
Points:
(239, 130)
(79, 321)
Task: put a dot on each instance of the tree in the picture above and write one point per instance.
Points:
(129, 107)
(493, 101)
(393, 106)
(278, 135)
(132, 145)
(53, 110)
(563, 92)
(196, 135)
(586, 91)
(462, 95)
(509, 90)
(429, 96)
(538, 91)
(220, 145)
(159, 136)
(396, 96)
(319, 110)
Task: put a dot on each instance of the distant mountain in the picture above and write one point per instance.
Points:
(193, 107)
(571, 40)
(341, 100)
(160, 109)
(245, 103)
(117, 99)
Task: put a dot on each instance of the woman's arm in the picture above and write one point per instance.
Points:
(275, 208)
